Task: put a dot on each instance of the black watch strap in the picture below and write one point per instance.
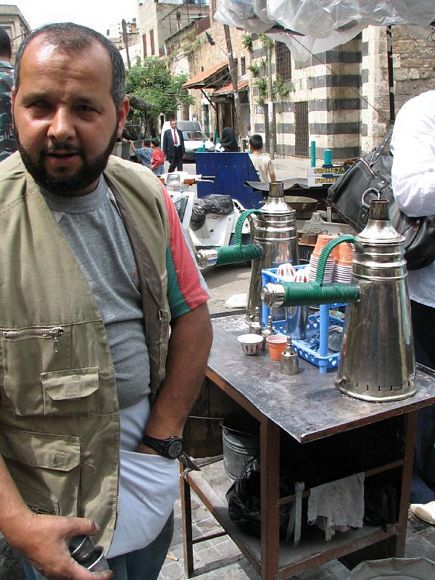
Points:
(161, 446)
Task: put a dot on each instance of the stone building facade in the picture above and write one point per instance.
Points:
(160, 20)
(343, 99)
(15, 24)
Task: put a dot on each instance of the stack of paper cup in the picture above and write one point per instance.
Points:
(343, 264)
(322, 240)
(287, 272)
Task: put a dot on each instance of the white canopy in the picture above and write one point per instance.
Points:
(320, 25)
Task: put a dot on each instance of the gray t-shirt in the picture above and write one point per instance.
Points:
(96, 233)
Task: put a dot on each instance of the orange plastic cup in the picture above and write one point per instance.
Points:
(322, 240)
(276, 345)
(345, 252)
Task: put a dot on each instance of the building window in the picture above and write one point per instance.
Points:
(242, 66)
(283, 61)
(144, 45)
(301, 129)
(152, 43)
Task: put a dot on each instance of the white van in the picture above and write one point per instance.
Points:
(194, 138)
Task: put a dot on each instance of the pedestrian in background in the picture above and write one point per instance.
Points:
(413, 181)
(111, 317)
(8, 143)
(158, 159)
(228, 142)
(262, 163)
(173, 147)
(144, 154)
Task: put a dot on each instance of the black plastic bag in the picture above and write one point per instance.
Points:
(244, 501)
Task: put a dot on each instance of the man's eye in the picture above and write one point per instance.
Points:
(85, 108)
(40, 105)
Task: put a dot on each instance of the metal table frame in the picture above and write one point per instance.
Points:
(229, 378)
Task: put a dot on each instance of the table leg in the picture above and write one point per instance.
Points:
(269, 459)
(411, 423)
(186, 524)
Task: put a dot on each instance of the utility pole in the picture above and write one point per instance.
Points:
(270, 107)
(234, 78)
(125, 38)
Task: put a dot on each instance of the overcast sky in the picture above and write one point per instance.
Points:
(98, 14)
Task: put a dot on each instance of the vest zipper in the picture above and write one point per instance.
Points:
(53, 332)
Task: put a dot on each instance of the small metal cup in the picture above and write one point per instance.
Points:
(289, 363)
(81, 548)
(100, 563)
(85, 553)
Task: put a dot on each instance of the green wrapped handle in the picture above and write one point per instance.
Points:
(235, 254)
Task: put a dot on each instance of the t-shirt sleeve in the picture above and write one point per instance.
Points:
(186, 286)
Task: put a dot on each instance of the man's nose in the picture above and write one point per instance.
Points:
(62, 125)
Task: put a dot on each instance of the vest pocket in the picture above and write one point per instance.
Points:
(71, 392)
(45, 468)
(36, 377)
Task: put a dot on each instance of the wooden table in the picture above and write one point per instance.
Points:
(309, 409)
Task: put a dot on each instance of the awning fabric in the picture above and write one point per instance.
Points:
(209, 79)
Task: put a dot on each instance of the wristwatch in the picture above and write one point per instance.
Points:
(172, 448)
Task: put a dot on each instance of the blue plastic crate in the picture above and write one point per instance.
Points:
(320, 354)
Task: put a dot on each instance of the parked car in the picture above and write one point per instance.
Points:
(194, 138)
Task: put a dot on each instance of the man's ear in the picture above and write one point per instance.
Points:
(123, 110)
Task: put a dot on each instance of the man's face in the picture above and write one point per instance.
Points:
(173, 124)
(65, 119)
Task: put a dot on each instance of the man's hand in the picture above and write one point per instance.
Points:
(44, 540)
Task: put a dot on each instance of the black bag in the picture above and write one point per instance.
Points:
(244, 500)
(370, 178)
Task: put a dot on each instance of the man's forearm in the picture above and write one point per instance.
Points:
(189, 347)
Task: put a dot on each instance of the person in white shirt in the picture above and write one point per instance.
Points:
(413, 180)
(262, 163)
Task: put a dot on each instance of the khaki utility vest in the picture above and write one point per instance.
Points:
(59, 420)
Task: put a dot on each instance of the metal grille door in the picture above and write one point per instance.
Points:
(301, 129)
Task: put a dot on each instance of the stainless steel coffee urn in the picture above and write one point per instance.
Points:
(274, 230)
(377, 356)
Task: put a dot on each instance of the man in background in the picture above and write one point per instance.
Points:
(7, 140)
(158, 158)
(173, 147)
(144, 154)
(413, 180)
(262, 163)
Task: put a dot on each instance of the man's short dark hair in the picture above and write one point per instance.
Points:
(5, 43)
(72, 37)
(155, 142)
(256, 142)
(147, 142)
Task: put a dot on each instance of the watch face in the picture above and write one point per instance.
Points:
(175, 449)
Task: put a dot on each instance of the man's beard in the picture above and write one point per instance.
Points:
(70, 184)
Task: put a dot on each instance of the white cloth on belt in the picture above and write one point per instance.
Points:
(338, 505)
